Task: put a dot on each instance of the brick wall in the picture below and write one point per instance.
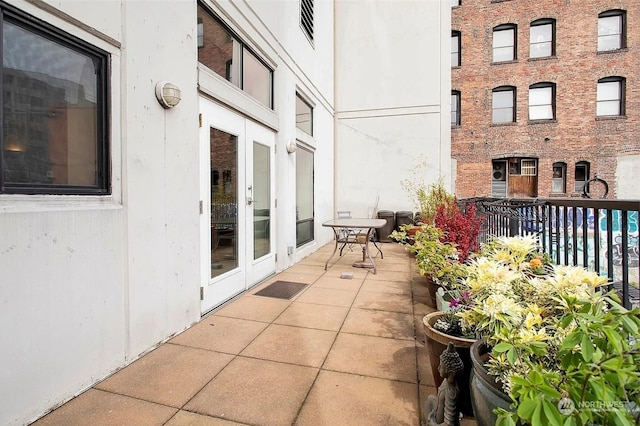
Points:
(576, 134)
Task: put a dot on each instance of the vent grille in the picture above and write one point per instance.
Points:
(306, 17)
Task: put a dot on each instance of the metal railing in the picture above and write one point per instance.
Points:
(600, 235)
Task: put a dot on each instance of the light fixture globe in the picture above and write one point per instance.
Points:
(168, 94)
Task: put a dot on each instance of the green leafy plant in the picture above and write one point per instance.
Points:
(436, 259)
(564, 351)
(590, 378)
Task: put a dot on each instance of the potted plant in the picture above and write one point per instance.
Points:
(436, 260)
(549, 341)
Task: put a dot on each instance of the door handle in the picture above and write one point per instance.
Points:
(249, 201)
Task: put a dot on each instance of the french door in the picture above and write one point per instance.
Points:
(238, 205)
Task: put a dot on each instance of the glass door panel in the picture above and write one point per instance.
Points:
(224, 201)
(261, 200)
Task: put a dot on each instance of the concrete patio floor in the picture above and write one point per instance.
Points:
(340, 352)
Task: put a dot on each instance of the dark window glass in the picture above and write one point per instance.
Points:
(581, 175)
(226, 55)
(54, 88)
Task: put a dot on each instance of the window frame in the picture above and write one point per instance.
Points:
(581, 164)
(620, 101)
(103, 182)
(514, 40)
(541, 23)
(457, 121)
(457, 54)
(502, 89)
(560, 180)
(303, 100)
(622, 14)
(309, 223)
(543, 85)
(240, 51)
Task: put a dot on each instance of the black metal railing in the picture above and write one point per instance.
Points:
(600, 235)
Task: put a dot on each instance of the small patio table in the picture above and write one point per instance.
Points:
(356, 223)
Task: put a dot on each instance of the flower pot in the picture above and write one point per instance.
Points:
(432, 288)
(436, 342)
(442, 304)
(486, 393)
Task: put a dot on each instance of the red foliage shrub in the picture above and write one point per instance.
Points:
(460, 227)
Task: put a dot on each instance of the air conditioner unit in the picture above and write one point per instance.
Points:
(500, 171)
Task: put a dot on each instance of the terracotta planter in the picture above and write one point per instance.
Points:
(432, 288)
(486, 393)
(436, 344)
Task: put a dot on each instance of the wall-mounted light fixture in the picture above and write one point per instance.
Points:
(291, 147)
(168, 94)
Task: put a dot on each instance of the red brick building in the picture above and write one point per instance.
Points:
(545, 96)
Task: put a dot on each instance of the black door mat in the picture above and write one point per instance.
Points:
(281, 289)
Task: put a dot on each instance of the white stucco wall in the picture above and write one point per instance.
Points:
(89, 283)
(627, 176)
(392, 100)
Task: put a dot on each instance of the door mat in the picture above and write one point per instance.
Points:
(281, 289)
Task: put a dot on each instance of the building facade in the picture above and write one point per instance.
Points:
(158, 161)
(545, 97)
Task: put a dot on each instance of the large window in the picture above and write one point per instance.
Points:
(504, 43)
(455, 108)
(542, 38)
(304, 196)
(542, 103)
(304, 115)
(504, 104)
(54, 111)
(611, 30)
(610, 97)
(455, 49)
(226, 55)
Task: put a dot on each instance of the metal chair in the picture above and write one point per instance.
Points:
(346, 236)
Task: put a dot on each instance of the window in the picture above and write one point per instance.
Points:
(528, 168)
(455, 49)
(610, 97)
(611, 30)
(306, 17)
(455, 108)
(229, 57)
(304, 115)
(542, 38)
(559, 180)
(504, 104)
(581, 175)
(542, 104)
(54, 112)
(304, 196)
(504, 43)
